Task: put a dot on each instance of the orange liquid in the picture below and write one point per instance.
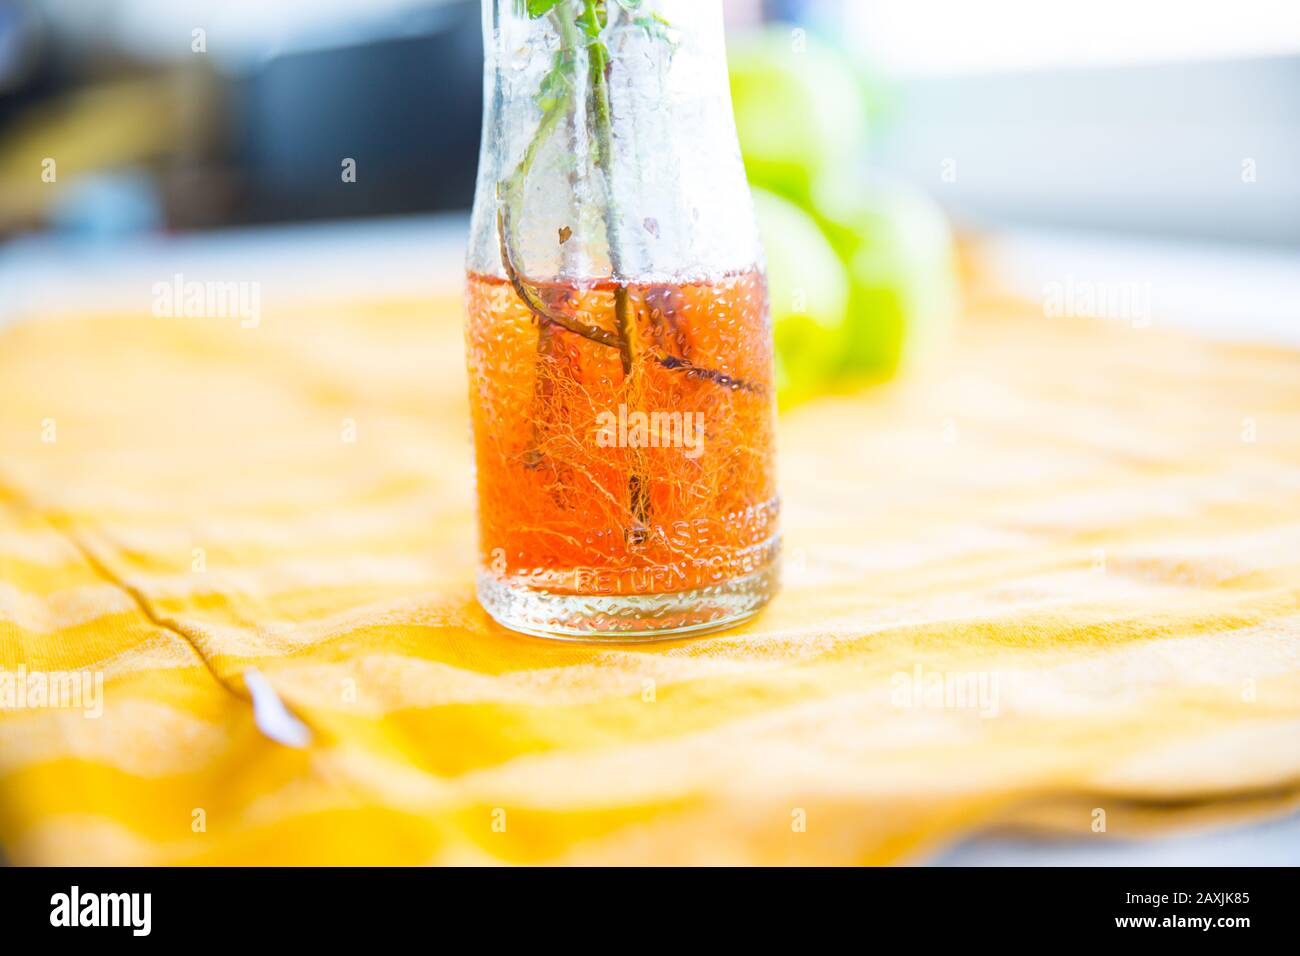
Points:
(597, 480)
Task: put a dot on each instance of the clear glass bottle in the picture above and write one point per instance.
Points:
(618, 334)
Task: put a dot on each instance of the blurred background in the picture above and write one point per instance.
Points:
(900, 152)
(1148, 146)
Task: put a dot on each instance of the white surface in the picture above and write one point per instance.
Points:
(400, 256)
(1275, 843)
(273, 718)
(1232, 292)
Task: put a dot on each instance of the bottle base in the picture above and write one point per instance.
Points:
(626, 618)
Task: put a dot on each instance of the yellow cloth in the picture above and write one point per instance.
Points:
(1101, 523)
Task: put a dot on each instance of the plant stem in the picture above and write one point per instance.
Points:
(629, 333)
(528, 292)
(510, 195)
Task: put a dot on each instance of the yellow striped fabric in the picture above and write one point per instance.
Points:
(1055, 584)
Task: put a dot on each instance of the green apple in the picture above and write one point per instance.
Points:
(801, 110)
(809, 293)
(901, 261)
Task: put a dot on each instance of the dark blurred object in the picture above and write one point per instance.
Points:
(406, 109)
(205, 141)
(136, 131)
(23, 68)
(18, 33)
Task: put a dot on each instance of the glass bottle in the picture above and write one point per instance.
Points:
(618, 334)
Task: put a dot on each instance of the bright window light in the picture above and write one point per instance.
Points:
(960, 36)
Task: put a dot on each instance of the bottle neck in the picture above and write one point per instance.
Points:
(609, 146)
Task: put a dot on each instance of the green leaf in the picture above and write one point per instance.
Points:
(556, 84)
(656, 28)
(539, 8)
